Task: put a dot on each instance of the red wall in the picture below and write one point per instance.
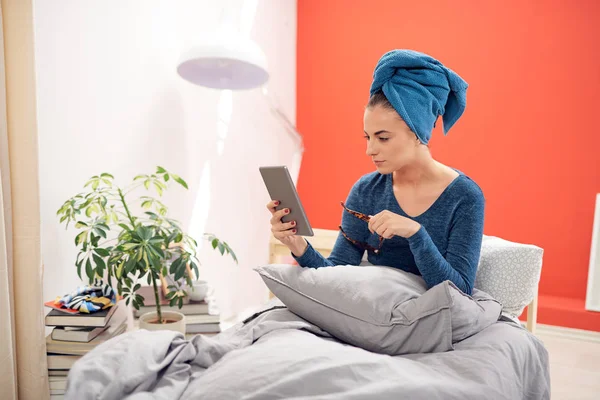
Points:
(530, 135)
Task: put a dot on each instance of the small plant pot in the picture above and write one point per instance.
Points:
(175, 321)
(199, 291)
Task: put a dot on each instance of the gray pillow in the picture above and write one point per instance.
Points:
(381, 309)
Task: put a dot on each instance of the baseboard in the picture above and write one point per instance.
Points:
(567, 333)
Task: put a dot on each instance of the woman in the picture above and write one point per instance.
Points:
(413, 213)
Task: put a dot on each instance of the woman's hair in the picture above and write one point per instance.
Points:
(379, 99)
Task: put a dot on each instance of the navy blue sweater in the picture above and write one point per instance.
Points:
(446, 247)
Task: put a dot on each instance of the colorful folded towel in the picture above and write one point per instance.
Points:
(420, 89)
(88, 299)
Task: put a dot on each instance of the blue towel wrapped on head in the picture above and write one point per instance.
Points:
(420, 88)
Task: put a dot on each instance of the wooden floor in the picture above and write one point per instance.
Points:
(574, 366)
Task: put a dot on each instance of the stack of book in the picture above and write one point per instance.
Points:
(74, 335)
(201, 317)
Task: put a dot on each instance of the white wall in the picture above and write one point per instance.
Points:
(109, 99)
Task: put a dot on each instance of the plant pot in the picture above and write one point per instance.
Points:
(199, 291)
(176, 321)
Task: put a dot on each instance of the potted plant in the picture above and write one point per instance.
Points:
(124, 244)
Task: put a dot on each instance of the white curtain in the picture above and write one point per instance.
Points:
(23, 366)
(8, 365)
(8, 376)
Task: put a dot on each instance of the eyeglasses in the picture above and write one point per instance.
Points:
(363, 245)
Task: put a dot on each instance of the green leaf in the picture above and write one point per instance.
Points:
(170, 295)
(129, 246)
(153, 249)
(119, 271)
(215, 243)
(102, 252)
(80, 224)
(157, 241)
(147, 184)
(129, 265)
(180, 181)
(88, 269)
(94, 240)
(189, 282)
(125, 227)
(175, 265)
(179, 237)
(158, 249)
(147, 204)
(152, 215)
(144, 232)
(179, 273)
(107, 175)
(159, 189)
(145, 256)
(174, 224)
(139, 254)
(79, 268)
(136, 305)
(149, 279)
(230, 251)
(172, 301)
(137, 287)
(195, 268)
(80, 238)
(221, 248)
(89, 198)
(180, 302)
(172, 236)
(99, 262)
(166, 176)
(155, 261)
(100, 232)
(140, 177)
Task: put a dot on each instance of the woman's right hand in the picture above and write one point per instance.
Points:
(285, 232)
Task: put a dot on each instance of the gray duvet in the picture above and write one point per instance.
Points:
(278, 355)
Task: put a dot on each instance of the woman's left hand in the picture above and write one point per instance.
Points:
(387, 224)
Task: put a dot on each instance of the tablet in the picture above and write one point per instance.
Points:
(281, 187)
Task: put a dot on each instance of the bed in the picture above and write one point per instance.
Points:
(276, 354)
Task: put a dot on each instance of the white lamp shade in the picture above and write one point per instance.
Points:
(234, 62)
